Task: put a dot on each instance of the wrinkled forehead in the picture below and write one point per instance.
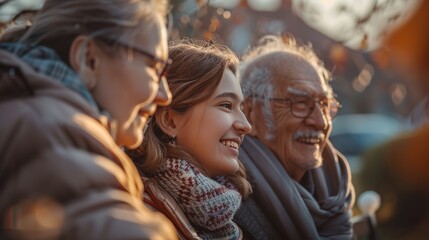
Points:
(292, 73)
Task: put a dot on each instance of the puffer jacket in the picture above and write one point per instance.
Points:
(62, 176)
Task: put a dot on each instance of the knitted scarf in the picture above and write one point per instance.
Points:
(209, 204)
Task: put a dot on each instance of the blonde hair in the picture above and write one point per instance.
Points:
(196, 72)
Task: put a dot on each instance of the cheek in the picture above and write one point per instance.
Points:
(192, 138)
(286, 124)
(285, 131)
(144, 92)
(284, 140)
(208, 138)
(137, 86)
(116, 76)
(205, 140)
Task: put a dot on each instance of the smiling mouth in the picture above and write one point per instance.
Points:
(230, 144)
(309, 137)
(309, 140)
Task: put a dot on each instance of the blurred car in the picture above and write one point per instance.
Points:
(353, 134)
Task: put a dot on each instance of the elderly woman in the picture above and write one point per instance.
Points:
(78, 85)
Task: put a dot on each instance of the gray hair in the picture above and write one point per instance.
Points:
(61, 21)
(257, 80)
(259, 83)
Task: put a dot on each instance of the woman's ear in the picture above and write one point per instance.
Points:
(165, 121)
(84, 60)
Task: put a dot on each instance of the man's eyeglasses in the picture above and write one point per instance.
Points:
(302, 107)
(165, 65)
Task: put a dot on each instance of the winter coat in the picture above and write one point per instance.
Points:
(61, 173)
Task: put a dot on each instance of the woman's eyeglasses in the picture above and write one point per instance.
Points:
(165, 64)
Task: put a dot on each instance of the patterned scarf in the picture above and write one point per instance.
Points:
(209, 204)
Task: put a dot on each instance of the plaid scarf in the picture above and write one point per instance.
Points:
(44, 60)
(209, 204)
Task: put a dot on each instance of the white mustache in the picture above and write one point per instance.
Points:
(309, 134)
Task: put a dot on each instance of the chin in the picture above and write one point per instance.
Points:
(130, 141)
(235, 167)
(317, 161)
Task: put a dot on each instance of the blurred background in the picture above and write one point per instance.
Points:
(346, 34)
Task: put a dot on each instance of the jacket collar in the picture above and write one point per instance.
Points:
(44, 60)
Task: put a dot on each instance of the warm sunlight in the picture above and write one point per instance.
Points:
(358, 26)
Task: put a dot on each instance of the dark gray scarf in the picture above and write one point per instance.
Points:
(318, 207)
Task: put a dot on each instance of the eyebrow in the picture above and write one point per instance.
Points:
(229, 94)
(297, 92)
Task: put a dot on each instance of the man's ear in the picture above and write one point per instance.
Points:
(248, 110)
(247, 107)
(84, 59)
(165, 121)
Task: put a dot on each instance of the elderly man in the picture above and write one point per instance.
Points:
(302, 185)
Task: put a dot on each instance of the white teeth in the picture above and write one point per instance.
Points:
(309, 137)
(309, 140)
(231, 144)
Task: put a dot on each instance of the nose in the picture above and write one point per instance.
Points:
(242, 125)
(164, 96)
(318, 118)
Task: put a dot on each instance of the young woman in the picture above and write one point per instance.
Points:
(191, 147)
(79, 84)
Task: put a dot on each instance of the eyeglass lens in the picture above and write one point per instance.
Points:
(165, 65)
(302, 106)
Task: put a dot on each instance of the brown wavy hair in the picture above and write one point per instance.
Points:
(194, 76)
